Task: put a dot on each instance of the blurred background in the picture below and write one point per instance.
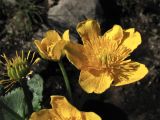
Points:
(23, 21)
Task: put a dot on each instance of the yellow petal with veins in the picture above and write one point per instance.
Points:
(89, 30)
(64, 108)
(116, 33)
(131, 39)
(97, 84)
(75, 54)
(52, 36)
(131, 75)
(57, 50)
(45, 43)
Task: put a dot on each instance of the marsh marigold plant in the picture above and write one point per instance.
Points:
(17, 68)
(102, 59)
(52, 45)
(62, 110)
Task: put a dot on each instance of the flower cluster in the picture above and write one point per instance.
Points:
(102, 60)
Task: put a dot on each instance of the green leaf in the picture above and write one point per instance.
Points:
(36, 87)
(13, 106)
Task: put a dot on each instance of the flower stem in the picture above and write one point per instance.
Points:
(65, 79)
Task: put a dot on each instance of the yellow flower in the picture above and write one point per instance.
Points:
(62, 110)
(102, 59)
(17, 68)
(52, 45)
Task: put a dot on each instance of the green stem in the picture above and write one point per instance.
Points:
(18, 117)
(65, 79)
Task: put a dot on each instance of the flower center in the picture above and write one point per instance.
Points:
(17, 68)
(110, 53)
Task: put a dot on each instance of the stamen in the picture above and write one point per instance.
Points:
(9, 86)
(33, 57)
(17, 72)
(28, 54)
(36, 61)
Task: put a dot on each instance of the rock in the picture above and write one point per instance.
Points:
(68, 13)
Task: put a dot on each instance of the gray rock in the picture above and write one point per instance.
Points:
(70, 12)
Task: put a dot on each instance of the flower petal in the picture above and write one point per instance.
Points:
(64, 108)
(45, 42)
(42, 115)
(132, 74)
(65, 35)
(91, 116)
(88, 30)
(57, 50)
(76, 54)
(52, 36)
(97, 84)
(131, 39)
(40, 49)
(116, 33)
